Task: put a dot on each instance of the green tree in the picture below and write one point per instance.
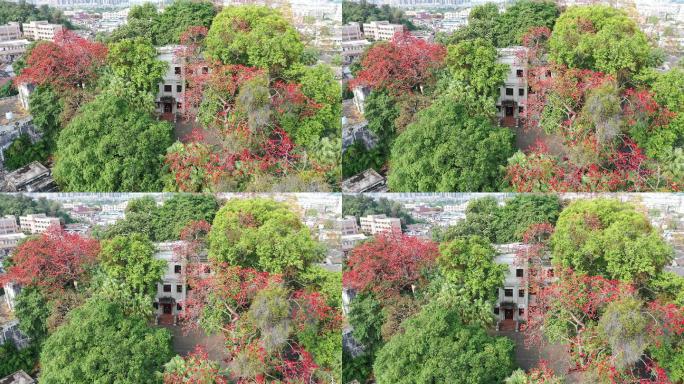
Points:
(366, 318)
(13, 359)
(129, 260)
(262, 234)
(181, 209)
(520, 17)
(32, 310)
(357, 158)
(472, 276)
(263, 38)
(21, 205)
(23, 151)
(100, 344)
(609, 238)
(141, 216)
(125, 157)
(135, 61)
(448, 149)
(482, 24)
(363, 11)
(361, 205)
(179, 16)
(600, 38)
(436, 347)
(380, 110)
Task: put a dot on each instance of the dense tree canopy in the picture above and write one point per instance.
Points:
(254, 36)
(363, 12)
(23, 12)
(447, 149)
(600, 38)
(436, 347)
(129, 261)
(609, 238)
(20, 205)
(127, 157)
(178, 17)
(101, 344)
(360, 205)
(135, 61)
(262, 234)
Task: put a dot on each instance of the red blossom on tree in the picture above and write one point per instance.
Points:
(54, 261)
(389, 264)
(310, 308)
(66, 63)
(196, 369)
(404, 64)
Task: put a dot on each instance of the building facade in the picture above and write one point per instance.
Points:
(11, 50)
(374, 224)
(37, 223)
(8, 224)
(513, 94)
(169, 100)
(10, 31)
(381, 30)
(41, 30)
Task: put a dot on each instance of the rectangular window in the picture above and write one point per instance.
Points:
(179, 88)
(176, 268)
(509, 91)
(521, 311)
(168, 88)
(2, 291)
(177, 70)
(521, 91)
(496, 311)
(521, 293)
(179, 288)
(521, 109)
(508, 292)
(179, 105)
(519, 272)
(187, 288)
(167, 287)
(519, 73)
(179, 307)
(155, 305)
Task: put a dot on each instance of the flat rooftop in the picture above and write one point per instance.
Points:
(11, 104)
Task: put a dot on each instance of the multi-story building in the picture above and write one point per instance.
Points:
(10, 50)
(374, 224)
(353, 49)
(37, 223)
(173, 288)
(348, 226)
(8, 224)
(9, 241)
(381, 30)
(41, 30)
(348, 32)
(515, 297)
(10, 31)
(169, 100)
(513, 94)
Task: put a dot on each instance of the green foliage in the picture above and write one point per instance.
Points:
(8, 90)
(45, 107)
(262, 234)
(600, 38)
(356, 368)
(380, 110)
(319, 84)
(100, 344)
(357, 158)
(32, 311)
(670, 356)
(363, 11)
(255, 36)
(135, 61)
(482, 24)
(22, 11)
(520, 17)
(609, 238)
(23, 151)
(667, 287)
(447, 149)
(125, 157)
(178, 17)
(437, 348)
(130, 260)
(470, 272)
(623, 326)
(20, 205)
(361, 205)
(166, 222)
(327, 283)
(366, 318)
(12, 359)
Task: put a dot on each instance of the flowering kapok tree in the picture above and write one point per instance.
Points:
(55, 261)
(195, 368)
(404, 64)
(390, 264)
(66, 63)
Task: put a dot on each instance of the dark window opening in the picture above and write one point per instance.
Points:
(519, 272)
(179, 307)
(519, 73)
(508, 292)
(179, 88)
(509, 91)
(521, 109)
(177, 70)
(167, 88)
(521, 91)
(179, 288)
(156, 305)
(496, 311)
(521, 293)
(176, 269)
(167, 287)
(521, 311)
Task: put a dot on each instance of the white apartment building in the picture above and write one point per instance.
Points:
(514, 298)
(41, 30)
(353, 49)
(8, 224)
(169, 100)
(381, 30)
(37, 223)
(374, 224)
(513, 94)
(11, 50)
(10, 31)
(172, 289)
